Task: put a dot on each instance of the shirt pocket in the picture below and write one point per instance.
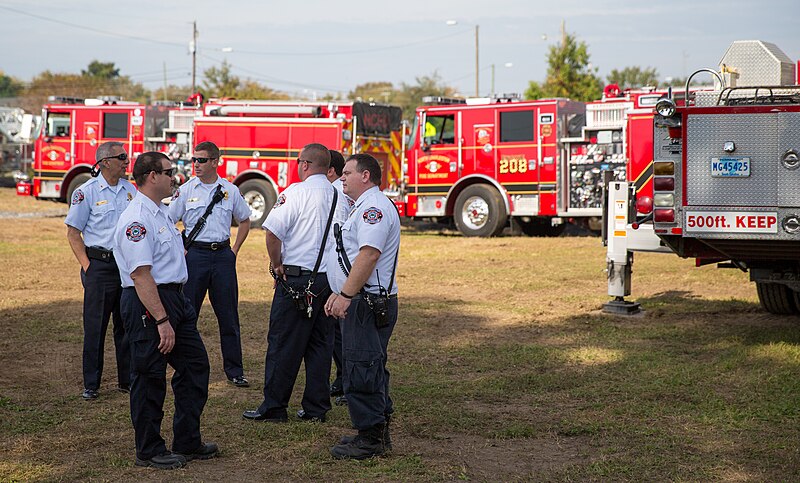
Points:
(105, 214)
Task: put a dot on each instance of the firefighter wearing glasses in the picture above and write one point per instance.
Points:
(160, 322)
(297, 237)
(210, 257)
(93, 213)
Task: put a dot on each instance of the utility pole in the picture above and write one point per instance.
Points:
(193, 50)
(563, 34)
(164, 97)
(477, 65)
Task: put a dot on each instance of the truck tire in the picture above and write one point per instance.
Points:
(776, 298)
(74, 184)
(479, 211)
(260, 197)
(541, 227)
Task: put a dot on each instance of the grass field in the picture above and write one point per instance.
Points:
(503, 369)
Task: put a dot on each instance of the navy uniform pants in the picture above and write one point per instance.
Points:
(293, 338)
(214, 272)
(101, 295)
(149, 373)
(365, 376)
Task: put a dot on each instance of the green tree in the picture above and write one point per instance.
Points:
(9, 86)
(632, 77)
(569, 73)
(219, 82)
(84, 86)
(253, 90)
(383, 92)
(101, 70)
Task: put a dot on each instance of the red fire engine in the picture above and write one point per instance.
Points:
(260, 140)
(726, 177)
(482, 161)
(72, 129)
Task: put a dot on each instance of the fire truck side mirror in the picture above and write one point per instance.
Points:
(426, 147)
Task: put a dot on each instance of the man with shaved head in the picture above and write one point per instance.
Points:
(298, 235)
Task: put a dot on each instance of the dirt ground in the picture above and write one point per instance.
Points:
(503, 369)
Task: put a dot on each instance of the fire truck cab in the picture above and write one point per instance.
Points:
(484, 160)
(72, 129)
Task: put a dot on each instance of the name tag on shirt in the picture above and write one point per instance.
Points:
(101, 202)
(192, 200)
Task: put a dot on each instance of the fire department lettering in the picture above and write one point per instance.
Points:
(373, 215)
(77, 197)
(732, 222)
(135, 231)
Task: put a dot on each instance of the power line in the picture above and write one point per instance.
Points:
(91, 29)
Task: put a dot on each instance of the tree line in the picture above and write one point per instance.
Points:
(570, 74)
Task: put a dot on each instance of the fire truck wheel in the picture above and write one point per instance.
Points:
(777, 298)
(260, 197)
(541, 227)
(74, 184)
(479, 211)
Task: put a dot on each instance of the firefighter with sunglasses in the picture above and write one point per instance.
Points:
(207, 204)
(94, 210)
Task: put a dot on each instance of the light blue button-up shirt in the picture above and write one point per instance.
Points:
(190, 201)
(145, 236)
(95, 208)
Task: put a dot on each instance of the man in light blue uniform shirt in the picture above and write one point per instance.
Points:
(94, 210)
(364, 298)
(210, 257)
(160, 322)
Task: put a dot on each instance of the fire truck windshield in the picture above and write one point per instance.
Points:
(57, 124)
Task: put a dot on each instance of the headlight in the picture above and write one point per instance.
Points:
(665, 107)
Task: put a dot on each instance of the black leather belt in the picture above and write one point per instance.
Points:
(175, 287)
(214, 246)
(101, 254)
(295, 270)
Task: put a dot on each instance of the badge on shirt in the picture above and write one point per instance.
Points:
(373, 215)
(176, 195)
(77, 197)
(101, 203)
(130, 196)
(226, 195)
(281, 200)
(135, 231)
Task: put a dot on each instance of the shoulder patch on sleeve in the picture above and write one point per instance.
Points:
(176, 194)
(135, 231)
(373, 215)
(281, 200)
(77, 197)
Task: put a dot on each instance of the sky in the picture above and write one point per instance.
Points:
(314, 47)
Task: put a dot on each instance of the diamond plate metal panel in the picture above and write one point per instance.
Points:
(788, 138)
(758, 63)
(755, 136)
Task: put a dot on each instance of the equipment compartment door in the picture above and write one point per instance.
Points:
(789, 175)
(755, 141)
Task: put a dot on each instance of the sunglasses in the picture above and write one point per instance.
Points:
(303, 161)
(201, 160)
(121, 157)
(169, 172)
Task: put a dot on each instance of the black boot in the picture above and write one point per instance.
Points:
(387, 439)
(367, 443)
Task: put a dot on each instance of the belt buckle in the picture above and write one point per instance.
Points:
(214, 246)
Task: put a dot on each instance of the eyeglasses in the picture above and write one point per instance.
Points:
(303, 161)
(201, 160)
(121, 157)
(169, 172)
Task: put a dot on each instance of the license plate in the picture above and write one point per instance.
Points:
(731, 221)
(730, 167)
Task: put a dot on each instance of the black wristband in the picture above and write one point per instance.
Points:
(344, 295)
(161, 321)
